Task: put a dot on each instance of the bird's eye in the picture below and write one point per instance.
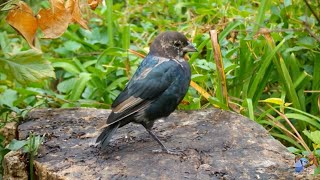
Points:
(177, 44)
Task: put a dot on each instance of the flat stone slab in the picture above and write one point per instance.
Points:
(217, 145)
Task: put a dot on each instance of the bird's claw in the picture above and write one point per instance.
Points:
(169, 151)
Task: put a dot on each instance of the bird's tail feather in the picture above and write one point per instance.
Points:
(106, 134)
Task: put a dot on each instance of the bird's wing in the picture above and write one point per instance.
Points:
(152, 78)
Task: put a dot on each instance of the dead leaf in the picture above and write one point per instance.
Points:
(54, 22)
(94, 3)
(73, 7)
(22, 19)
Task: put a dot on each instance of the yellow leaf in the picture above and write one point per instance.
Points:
(277, 101)
(200, 90)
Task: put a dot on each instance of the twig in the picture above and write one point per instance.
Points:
(310, 32)
(300, 139)
(314, 13)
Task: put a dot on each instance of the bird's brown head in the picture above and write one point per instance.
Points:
(171, 44)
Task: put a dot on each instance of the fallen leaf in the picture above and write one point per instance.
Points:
(22, 19)
(54, 22)
(94, 3)
(73, 7)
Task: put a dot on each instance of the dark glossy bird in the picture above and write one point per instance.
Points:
(155, 90)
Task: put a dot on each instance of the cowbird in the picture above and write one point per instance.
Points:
(156, 88)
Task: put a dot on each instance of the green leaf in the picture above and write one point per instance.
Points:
(16, 145)
(72, 46)
(28, 66)
(33, 143)
(2, 138)
(307, 42)
(4, 44)
(198, 77)
(66, 64)
(116, 83)
(293, 150)
(316, 171)
(8, 97)
(196, 104)
(216, 102)
(313, 136)
(66, 85)
(80, 84)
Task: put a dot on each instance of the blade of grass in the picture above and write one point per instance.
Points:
(300, 139)
(222, 83)
(200, 90)
(303, 118)
(286, 133)
(110, 22)
(305, 113)
(315, 107)
(300, 79)
(199, 48)
(283, 72)
(263, 6)
(125, 45)
(289, 84)
(262, 70)
(243, 74)
(250, 109)
(286, 138)
(228, 29)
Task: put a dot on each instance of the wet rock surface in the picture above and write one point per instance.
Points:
(216, 145)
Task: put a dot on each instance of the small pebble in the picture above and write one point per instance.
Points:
(117, 158)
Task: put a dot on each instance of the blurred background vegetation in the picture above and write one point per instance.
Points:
(270, 52)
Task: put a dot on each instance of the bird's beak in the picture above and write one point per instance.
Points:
(189, 48)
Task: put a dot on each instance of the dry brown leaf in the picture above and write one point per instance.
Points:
(73, 7)
(54, 22)
(94, 3)
(23, 20)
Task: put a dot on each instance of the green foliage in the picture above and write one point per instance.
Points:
(26, 66)
(29, 146)
(3, 152)
(314, 137)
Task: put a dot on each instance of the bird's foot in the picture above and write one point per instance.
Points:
(169, 151)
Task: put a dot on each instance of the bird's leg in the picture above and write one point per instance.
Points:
(163, 147)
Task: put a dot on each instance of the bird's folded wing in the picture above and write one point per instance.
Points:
(144, 87)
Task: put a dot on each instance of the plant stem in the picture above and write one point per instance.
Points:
(31, 157)
(109, 21)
